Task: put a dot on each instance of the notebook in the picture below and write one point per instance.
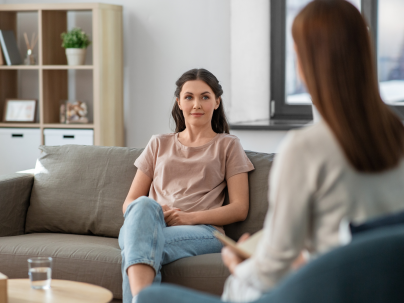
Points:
(245, 249)
(10, 48)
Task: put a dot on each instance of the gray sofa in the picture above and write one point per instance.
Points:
(71, 210)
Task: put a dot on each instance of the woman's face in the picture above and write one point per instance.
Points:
(197, 102)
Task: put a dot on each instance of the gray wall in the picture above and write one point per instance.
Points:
(163, 39)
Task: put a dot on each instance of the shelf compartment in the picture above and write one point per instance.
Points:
(54, 23)
(28, 22)
(14, 85)
(66, 85)
(19, 23)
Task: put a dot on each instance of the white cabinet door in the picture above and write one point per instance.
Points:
(68, 136)
(18, 149)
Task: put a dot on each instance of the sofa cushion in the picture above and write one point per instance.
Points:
(90, 259)
(258, 186)
(81, 189)
(205, 273)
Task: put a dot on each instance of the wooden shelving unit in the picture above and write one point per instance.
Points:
(106, 69)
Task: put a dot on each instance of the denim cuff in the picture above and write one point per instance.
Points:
(141, 261)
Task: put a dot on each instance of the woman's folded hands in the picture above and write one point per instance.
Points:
(174, 216)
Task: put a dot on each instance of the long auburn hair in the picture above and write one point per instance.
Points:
(219, 120)
(337, 60)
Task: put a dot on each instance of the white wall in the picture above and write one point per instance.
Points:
(163, 39)
(249, 60)
(260, 140)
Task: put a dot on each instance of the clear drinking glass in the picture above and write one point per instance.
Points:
(40, 272)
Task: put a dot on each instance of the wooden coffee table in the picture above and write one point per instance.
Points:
(61, 291)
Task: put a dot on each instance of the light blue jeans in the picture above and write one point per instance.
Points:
(145, 238)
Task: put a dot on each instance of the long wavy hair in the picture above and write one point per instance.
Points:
(337, 60)
(219, 120)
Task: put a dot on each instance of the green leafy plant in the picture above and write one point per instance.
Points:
(76, 38)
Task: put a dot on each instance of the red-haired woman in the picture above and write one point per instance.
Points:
(349, 166)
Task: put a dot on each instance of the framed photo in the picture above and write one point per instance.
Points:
(20, 110)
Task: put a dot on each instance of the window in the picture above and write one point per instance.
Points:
(289, 101)
(391, 51)
(296, 93)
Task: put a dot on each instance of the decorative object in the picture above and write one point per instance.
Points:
(10, 48)
(19, 110)
(30, 59)
(73, 112)
(75, 42)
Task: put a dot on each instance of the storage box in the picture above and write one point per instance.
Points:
(69, 136)
(19, 149)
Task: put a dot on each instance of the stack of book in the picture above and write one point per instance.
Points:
(9, 48)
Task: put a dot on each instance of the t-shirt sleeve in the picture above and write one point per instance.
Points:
(147, 160)
(237, 161)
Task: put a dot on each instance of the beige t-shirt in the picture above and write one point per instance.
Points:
(192, 178)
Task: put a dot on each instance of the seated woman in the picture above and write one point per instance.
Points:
(347, 166)
(184, 175)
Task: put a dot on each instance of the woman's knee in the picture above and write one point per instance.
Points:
(143, 204)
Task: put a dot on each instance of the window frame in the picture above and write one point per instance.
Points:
(279, 110)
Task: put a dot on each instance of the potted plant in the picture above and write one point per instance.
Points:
(75, 42)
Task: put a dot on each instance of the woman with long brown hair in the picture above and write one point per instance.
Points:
(175, 201)
(349, 166)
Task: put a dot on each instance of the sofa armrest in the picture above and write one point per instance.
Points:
(15, 193)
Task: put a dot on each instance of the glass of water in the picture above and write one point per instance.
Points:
(40, 272)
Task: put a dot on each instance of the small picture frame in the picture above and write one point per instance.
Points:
(20, 110)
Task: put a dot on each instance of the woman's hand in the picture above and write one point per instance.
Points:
(175, 216)
(229, 257)
(299, 262)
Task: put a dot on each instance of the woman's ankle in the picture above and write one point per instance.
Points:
(140, 276)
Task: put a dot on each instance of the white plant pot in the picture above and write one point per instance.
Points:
(76, 56)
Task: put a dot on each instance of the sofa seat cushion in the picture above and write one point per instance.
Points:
(205, 273)
(90, 259)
